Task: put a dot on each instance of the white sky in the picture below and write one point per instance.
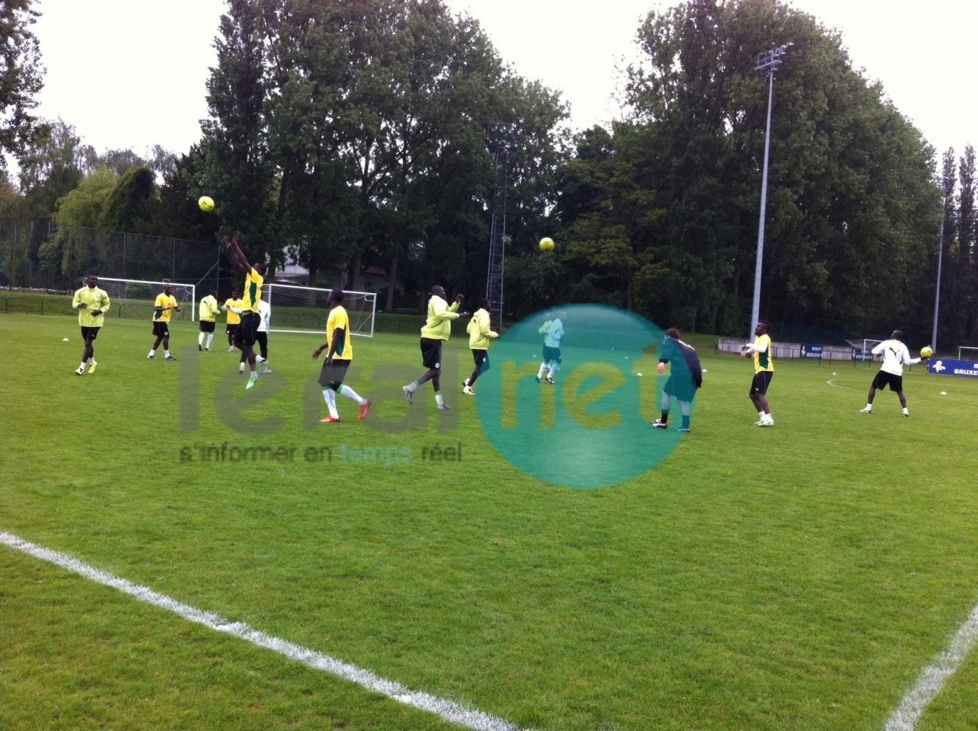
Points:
(131, 73)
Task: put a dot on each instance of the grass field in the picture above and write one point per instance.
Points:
(800, 577)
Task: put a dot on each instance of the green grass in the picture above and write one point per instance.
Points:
(792, 578)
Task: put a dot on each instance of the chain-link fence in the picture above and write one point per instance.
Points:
(36, 256)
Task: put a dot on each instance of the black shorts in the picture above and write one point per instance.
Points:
(206, 327)
(551, 355)
(331, 376)
(481, 358)
(761, 382)
(161, 329)
(231, 329)
(248, 330)
(431, 353)
(681, 386)
(884, 379)
(89, 333)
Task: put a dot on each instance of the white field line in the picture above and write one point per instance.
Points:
(446, 709)
(934, 676)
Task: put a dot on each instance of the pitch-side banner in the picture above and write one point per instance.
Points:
(944, 367)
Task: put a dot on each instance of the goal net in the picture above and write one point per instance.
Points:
(305, 309)
(862, 350)
(134, 298)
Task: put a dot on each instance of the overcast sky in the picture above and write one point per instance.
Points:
(131, 74)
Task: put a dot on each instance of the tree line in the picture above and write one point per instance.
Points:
(349, 134)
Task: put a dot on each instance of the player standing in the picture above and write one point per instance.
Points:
(763, 372)
(895, 356)
(163, 308)
(339, 354)
(233, 320)
(208, 311)
(92, 303)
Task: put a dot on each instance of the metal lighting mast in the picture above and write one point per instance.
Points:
(946, 182)
(503, 139)
(767, 63)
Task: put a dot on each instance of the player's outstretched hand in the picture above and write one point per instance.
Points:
(459, 298)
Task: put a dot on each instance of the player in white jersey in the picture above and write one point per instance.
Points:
(895, 355)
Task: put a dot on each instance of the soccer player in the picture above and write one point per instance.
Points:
(552, 331)
(264, 322)
(437, 329)
(234, 319)
(163, 308)
(685, 377)
(763, 354)
(208, 311)
(339, 353)
(895, 356)
(248, 329)
(480, 335)
(92, 303)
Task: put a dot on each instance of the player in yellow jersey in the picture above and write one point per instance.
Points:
(92, 303)
(339, 354)
(480, 335)
(437, 329)
(231, 304)
(209, 310)
(248, 329)
(163, 308)
(762, 350)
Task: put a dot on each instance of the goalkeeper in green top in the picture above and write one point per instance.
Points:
(92, 303)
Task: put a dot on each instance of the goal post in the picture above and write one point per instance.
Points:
(296, 309)
(963, 348)
(134, 298)
(862, 350)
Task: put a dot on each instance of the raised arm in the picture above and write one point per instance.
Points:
(237, 256)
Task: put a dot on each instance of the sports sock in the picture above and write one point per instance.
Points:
(685, 422)
(210, 339)
(200, 339)
(152, 351)
(665, 416)
(438, 399)
(330, 396)
(351, 394)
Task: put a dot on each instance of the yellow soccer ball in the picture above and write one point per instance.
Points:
(546, 244)
(926, 351)
(206, 203)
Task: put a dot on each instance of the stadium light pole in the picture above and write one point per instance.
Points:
(945, 190)
(767, 63)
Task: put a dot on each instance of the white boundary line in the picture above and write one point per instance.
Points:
(446, 709)
(934, 676)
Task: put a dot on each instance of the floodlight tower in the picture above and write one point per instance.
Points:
(946, 183)
(767, 63)
(502, 142)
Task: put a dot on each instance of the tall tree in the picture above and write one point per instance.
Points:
(847, 171)
(21, 78)
(72, 250)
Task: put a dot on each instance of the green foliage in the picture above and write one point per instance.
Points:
(21, 78)
(130, 205)
(850, 208)
(73, 248)
(356, 134)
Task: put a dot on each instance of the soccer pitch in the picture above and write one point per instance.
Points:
(390, 573)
